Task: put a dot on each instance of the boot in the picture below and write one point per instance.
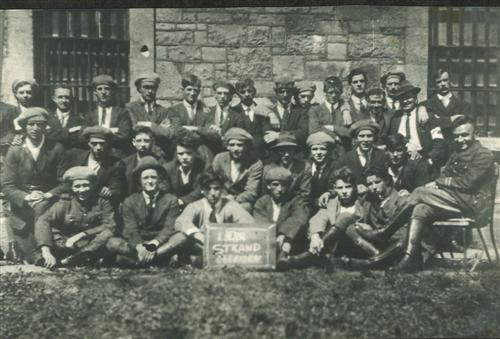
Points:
(366, 246)
(412, 260)
(396, 223)
(331, 236)
(166, 251)
(282, 261)
(302, 260)
(355, 263)
(384, 259)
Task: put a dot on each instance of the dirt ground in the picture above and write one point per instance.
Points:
(233, 303)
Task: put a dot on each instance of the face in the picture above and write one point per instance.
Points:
(443, 83)
(142, 143)
(24, 95)
(223, 96)
(409, 103)
(376, 104)
(358, 84)
(98, 147)
(286, 154)
(345, 191)
(212, 193)
(236, 149)
(277, 189)
(190, 94)
(184, 156)
(150, 181)
(332, 94)
(377, 186)
(247, 94)
(397, 156)
(365, 139)
(463, 136)
(284, 95)
(148, 90)
(82, 189)
(104, 94)
(319, 153)
(62, 99)
(392, 85)
(35, 129)
(305, 98)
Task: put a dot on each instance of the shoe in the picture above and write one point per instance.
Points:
(196, 261)
(77, 258)
(412, 260)
(283, 262)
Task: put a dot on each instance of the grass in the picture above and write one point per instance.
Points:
(233, 303)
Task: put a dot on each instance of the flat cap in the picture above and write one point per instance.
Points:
(284, 81)
(206, 178)
(33, 113)
(224, 84)
(305, 86)
(400, 75)
(79, 172)
(141, 129)
(104, 79)
(362, 125)
(244, 83)
(375, 91)
(319, 138)
(286, 140)
(147, 77)
(278, 174)
(332, 81)
(21, 82)
(237, 134)
(100, 132)
(406, 90)
(148, 162)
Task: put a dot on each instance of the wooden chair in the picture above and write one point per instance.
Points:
(465, 224)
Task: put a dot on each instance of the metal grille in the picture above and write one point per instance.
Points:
(466, 41)
(73, 46)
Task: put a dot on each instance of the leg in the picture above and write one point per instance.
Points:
(172, 246)
(365, 245)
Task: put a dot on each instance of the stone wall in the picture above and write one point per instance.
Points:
(309, 43)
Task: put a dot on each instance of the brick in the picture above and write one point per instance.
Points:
(173, 72)
(221, 74)
(226, 35)
(264, 89)
(184, 53)
(337, 38)
(332, 27)
(292, 64)
(319, 70)
(165, 26)
(200, 37)
(221, 66)
(288, 9)
(215, 17)
(255, 63)
(246, 9)
(168, 14)
(241, 18)
(337, 51)
(306, 44)
(186, 27)
(204, 71)
(278, 35)
(375, 46)
(201, 26)
(267, 19)
(278, 50)
(259, 35)
(301, 23)
(161, 52)
(213, 54)
(188, 16)
(174, 38)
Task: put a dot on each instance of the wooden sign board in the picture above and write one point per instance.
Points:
(250, 246)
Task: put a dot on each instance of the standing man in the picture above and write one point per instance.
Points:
(72, 231)
(358, 80)
(32, 176)
(110, 115)
(377, 111)
(222, 116)
(24, 92)
(304, 95)
(239, 171)
(391, 82)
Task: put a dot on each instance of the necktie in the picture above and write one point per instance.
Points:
(407, 130)
(212, 218)
(103, 116)
(150, 109)
(150, 210)
(62, 120)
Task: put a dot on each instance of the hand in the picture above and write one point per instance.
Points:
(215, 128)
(144, 123)
(106, 192)
(71, 241)
(329, 127)
(143, 254)
(316, 244)
(414, 155)
(422, 115)
(323, 199)
(190, 128)
(362, 189)
(198, 236)
(346, 116)
(48, 258)
(286, 247)
(431, 184)
(18, 140)
(280, 239)
(403, 193)
(47, 196)
(166, 123)
(271, 136)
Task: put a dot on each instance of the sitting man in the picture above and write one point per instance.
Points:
(76, 230)
(464, 188)
(148, 216)
(288, 211)
(238, 169)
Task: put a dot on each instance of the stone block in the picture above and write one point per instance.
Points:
(337, 38)
(161, 53)
(188, 16)
(322, 10)
(278, 35)
(213, 54)
(319, 70)
(255, 63)
(220, 66)
(201, 26)
(375, 45)
(204, 71)
(184, 53)
(226, 35)
(301, 23)
(221, 74)
(337, 51)
(246, 9)
(165, 26)
(292, 64)
(215, 17)
(306, 44)
(332, 27)
(168, 14)
(310, 57)
(278, 50)
(241, 18)
(173, 72)
(174, 38)
(186, 27)
(288, 9)
(200, 37)
(259, 35)
(267, 19)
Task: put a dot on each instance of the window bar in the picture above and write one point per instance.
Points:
(474, 103)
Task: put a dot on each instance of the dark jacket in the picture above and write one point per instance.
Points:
(415, 173)
(443, 114)
(301, 183)
(379, 216)
(190, 191)
(68, 136)
(257, 128)
(319, 115)
(7, 114)
(295, 122)
(320, 184)
(378, 158)
(468, 177)
(160, 226)
(138, 112)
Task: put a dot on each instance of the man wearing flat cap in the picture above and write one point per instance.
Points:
(222, 116)
(422, 130)
(391, 82)
(364, 155)
(358, 81)
(110, 170)
(304, 95)
(148, 236)
(283, 116)
(110, 114)
(239, 170)
(32, 177)
(75, 231)
(288, 211)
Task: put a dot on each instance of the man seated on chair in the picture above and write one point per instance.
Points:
(464, 188)
(288, 211)
(148, 217)
(75, 230)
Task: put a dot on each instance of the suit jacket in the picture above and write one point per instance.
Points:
(68, 136)
(292, 218)
(329, 216)
(7, 114)
(70, 217)
(321, 184)
(350, 159)
(443, 114)
(301, 183)
(468, 177)
(415, 173)
(379, 216)
(138, 227)
(295, 122)
(319, 115)
(130, 163)
(138, 112)
(355, 113)
(111, 174)
(190, 191)
(246, 187)
(234, 118)
(257, 128)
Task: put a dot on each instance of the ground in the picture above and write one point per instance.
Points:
(233, 303)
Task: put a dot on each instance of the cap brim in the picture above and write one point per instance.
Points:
(285, 144)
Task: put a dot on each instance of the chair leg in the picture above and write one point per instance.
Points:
(493, 241)
(484, 244)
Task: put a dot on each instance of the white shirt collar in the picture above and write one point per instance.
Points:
(34, 150)
(147, 198)
(276, 210)
(444, 97)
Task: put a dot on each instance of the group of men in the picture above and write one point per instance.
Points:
(359, 179)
